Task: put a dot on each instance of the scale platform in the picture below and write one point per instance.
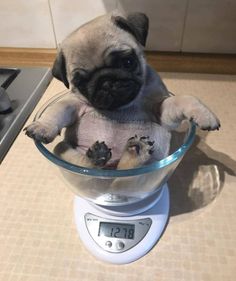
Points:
(121, 239)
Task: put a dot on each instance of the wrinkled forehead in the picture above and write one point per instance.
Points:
(88, 46)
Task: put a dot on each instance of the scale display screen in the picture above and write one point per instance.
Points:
(116, 230)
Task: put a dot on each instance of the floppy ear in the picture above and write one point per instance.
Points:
(136, 23)
(59, 69)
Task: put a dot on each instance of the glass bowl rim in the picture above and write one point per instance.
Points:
(177, 154)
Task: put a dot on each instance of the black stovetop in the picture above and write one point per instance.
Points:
(24, 87)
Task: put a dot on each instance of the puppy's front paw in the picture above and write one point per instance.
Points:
(99, 154)
(41, 132)
(175, 109)
(204, 118)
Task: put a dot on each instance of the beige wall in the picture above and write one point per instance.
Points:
(175, 25)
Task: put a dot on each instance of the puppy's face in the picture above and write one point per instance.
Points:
(103, 60)
(114, 83)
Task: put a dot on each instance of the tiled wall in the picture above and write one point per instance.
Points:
(26, 23)
(210, 26)
(166, 21)
(68, 15)
(183, 25)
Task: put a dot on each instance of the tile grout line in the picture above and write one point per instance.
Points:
(53, 25)
(184, 25)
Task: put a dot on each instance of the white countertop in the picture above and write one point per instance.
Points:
(38, 239)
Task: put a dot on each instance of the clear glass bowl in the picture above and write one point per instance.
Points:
(118, 187)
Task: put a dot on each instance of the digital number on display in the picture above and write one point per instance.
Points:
(116, 230)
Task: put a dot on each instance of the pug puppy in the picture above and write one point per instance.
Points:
(119, 113)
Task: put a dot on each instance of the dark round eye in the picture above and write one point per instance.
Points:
(79, 77)
(129, 63)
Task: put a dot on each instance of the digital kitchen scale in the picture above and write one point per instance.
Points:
(119, 235)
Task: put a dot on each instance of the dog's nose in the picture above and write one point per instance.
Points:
(106, 85)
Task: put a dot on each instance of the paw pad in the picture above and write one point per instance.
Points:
(99, 153)
(140, 145)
